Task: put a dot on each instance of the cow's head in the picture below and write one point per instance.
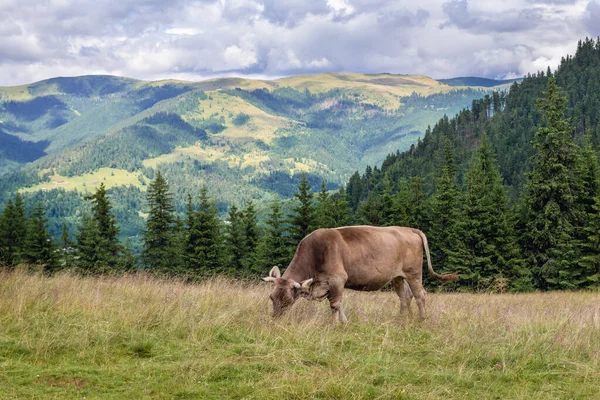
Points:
(286, 291)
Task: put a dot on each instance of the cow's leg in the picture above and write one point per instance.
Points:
(404, 293)
(419, 293)
(336, 288)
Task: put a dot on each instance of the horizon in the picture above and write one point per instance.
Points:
(265, 39)
(275, 78)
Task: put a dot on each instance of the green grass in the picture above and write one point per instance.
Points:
(137, 337)
(89, 182)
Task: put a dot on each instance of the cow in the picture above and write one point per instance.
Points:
(355, 257)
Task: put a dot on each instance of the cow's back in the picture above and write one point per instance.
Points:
(373, 256)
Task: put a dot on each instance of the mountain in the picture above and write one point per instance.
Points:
(510, 121)
(475, 81)
(243, 138)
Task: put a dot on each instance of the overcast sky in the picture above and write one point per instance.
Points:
(198, 39)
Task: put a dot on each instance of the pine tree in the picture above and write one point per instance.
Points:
(91, 256)
(447, 227)
(274, 249)
(66, 248)
(39, 245)
(98, 248)
(159, 247)
(325, 208)
(205, 238)
(107, 226)
(13, 228)
(252, 236)
(236, 241)
(302, 221)
(341, 213)
(551, 196)
(489, 237)
(589, 263)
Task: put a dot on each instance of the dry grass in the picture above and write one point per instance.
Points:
(140, 337)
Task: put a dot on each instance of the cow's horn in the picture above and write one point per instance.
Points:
(297, 285)
(268, 279)
(306, 284)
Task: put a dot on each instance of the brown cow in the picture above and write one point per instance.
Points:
(355, 257)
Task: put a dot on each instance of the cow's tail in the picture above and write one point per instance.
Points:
(444, 277)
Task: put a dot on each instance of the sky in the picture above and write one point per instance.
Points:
(267, 39)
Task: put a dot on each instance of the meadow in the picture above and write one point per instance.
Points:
(134, 337)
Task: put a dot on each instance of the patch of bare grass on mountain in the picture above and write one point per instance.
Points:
(138, 336)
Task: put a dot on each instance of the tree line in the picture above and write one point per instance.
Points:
(548, 239)
(194, 245)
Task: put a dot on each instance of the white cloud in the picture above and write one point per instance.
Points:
(154, 39)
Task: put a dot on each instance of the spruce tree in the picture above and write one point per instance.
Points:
(159, 236)
(302, 221)
(324, 208)
(251, 235)
(274, 250)
(589, 263)
(551, 197)
(39, 245)
(106, 224)
(13, 228)
(447, 223)
(340, 211)
(90, 255)
(236, 241)
(489, 236)
(66, 248)
(205, 238)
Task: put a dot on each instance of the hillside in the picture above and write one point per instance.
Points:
(243, 138)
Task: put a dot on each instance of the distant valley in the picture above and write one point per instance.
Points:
(244, 139)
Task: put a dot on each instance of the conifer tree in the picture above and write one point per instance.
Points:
(39, 245)
(489, 237)
(324, 209)
(274, 249)
(106, 224)
(341, 213)
(98, 248)
(411, 204)
(66, 248)
(447, 223)
(13, 228)
(236, 241)
(159, 248)
(551, 197)
(251, 235)
(588, 274)
(302, 221)
(205, 238)
(91, 256)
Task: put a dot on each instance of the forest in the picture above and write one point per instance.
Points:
(507, 191)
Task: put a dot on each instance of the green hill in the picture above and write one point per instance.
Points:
(243, 138)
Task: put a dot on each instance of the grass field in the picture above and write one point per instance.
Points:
(137, 337)
(89, 182)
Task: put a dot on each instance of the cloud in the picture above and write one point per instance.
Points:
(195, 39)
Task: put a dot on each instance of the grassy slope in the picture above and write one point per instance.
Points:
(135, 337)
(98, 115)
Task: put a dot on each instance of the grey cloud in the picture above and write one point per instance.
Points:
(291, 12)
(592, 18)
(155, 39)
(459, 15)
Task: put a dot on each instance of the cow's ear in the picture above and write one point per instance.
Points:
(275, 273)
(306, 284)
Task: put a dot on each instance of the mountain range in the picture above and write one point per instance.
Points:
(243, 138)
